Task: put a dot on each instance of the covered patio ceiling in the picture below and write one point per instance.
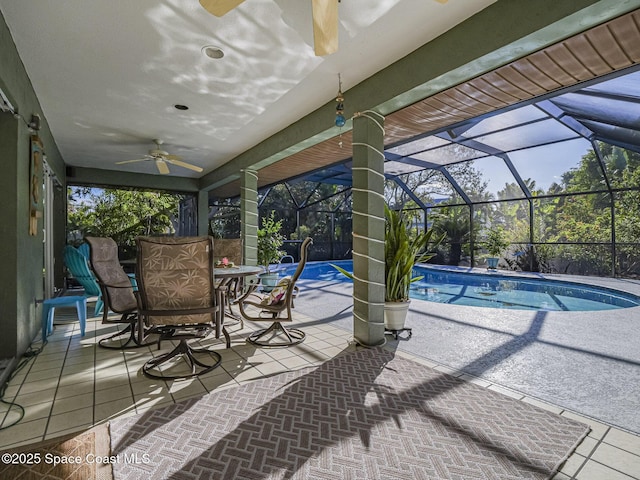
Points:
(583, 87)
(103, 97)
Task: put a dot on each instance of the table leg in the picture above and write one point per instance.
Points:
(220, 297)
(140, 332)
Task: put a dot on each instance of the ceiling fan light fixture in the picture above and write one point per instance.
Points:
(212, 52)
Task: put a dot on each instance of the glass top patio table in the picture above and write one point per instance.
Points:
(237, 271)
(225, 275)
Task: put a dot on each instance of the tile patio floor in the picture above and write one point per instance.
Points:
(73, 384)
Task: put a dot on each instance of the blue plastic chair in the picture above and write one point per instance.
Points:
(78, 266)
(49, 307)
(84, 250)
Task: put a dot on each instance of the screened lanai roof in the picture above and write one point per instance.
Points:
(579, 63)
(527, 146)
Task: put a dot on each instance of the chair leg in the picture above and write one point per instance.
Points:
(81, 307)
(98, 308)
(185, 350)
(103, 342)
(293, 336)
(226, 336)
(233, 315)
(132, 330)
(47, 321)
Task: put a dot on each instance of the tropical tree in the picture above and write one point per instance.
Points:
(224, 220)
(120, 214)
(585, 216)
(453, 225)
(315, 202)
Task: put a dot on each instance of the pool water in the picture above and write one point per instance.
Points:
(490, 290)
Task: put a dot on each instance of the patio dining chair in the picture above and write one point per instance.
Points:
(275, 307)
(84, 249)
(78, 266)
(176, 299)
(230, 248)
(117, 293)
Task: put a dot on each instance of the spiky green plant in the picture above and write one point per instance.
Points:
(402, 250)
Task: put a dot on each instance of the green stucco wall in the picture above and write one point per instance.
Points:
(21, 255)
(249, 216)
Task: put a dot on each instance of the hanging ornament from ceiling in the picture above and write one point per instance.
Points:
(340, 119)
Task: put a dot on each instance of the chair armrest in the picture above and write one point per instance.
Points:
(250, 291)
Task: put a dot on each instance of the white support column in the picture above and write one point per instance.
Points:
(368, 229)
(249, 216)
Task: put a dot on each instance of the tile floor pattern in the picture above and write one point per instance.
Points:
(74, 384)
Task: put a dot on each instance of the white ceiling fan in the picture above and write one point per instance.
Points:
(161, 158)
(325, 21)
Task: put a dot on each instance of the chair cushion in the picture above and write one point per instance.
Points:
(277, 294)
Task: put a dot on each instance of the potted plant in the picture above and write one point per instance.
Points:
(403, 248)
(495, 244)
(270, 241)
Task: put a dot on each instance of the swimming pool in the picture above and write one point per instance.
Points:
(490, 290)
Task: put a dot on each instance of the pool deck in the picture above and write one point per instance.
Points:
(74, 385)
(588, 362)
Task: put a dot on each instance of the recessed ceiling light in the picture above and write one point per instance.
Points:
(213, 52)
(181, 107)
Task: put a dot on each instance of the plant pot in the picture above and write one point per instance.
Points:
(395, 314)
(492, 263)
(268, 281)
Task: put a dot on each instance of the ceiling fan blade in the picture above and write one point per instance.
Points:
(132, 161)
(325, 26)
(219, 7)
(162, 166)
(180, 163)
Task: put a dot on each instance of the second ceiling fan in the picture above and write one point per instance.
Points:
(161, 159)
